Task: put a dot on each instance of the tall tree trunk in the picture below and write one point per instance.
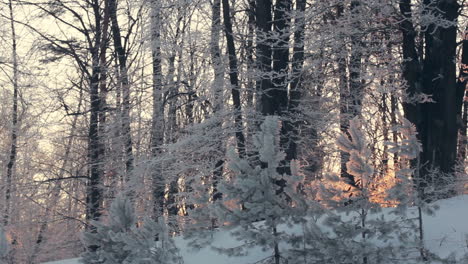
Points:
(385, 132)
(252, 97)
(393, 120)
(281, 27)
(353, 89)
(463, 144)
(103, 91)
(234, 79)
(439, 127)
(436, 122)
(412, 67)
(411, 63)
(279, 94)
(122, 59)
(218, 88)
(463, 116)
(14, 122)
(356, 90)
(171, 201)
(342, 55)
(157, 124)
(217, 62)
(94, 190)
(263, 19)
(291, 126)
(185, 202)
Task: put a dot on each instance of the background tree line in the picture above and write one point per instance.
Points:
(146, 97)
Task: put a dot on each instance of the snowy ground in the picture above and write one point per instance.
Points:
(445, 233)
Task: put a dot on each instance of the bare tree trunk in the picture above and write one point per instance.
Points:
(279, 93)
(171, 202)
(233, 76)
(217, 62)
(342, 55)
(463, 116)
(14, 137)
(393, 120)
(278, 96)
(103, 81)
(463, 144)
(263, 19)
(385, 132)
(218, 89)
(252, 97)
(291, 126)
(351, 89)
(94, 191)
(157, 124)
(356, 90)
(436, 122)
(122, 59)
(14, 122)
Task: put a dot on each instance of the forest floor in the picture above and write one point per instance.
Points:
(445, 232)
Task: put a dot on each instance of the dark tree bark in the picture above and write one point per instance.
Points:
(174, 80)
(356, 89)
(278, 95)
(234, 79)
(14, 121)
(290, 128)
(463, 116)
(273, 49)
(263, 19)
(439, 125)
(252, 97)
(435, 75)
(345, 98)
(218, 86)
(393, 120)
(103, 91)
(124, 81)
(170, 202)
(385, 131)
(94, 192)
(157, 124)
(273, 84)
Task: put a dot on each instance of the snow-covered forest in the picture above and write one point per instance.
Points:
(233, 131)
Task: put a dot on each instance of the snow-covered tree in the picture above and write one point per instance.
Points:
(121, 241)
(361, 230)
(407, 149)
(406, 191)
(145, 250)
(258, 199)
(106, 244)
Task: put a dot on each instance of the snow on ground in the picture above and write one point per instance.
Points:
(66, 261)
(445, 232)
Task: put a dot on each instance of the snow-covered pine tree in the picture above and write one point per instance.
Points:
(260, 207)
(404, 191)
(408, 149)
(120, 241)
(145, 250)
(106, 244)
(4, 247)
(361, 231)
